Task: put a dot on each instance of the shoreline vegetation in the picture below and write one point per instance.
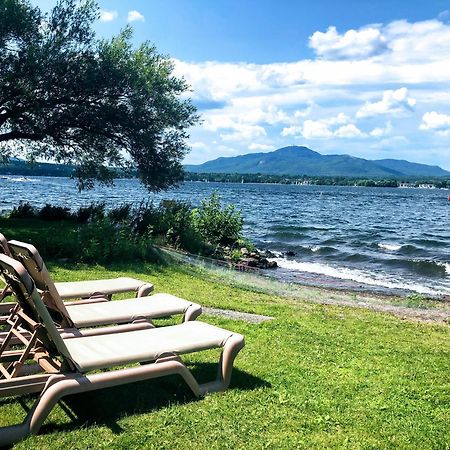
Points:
(410, 182)
(134, 232)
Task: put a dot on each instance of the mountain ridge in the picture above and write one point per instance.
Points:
(301, 160)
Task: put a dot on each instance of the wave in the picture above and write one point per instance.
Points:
(20, 179)
(358, 276)
(430, 242)
(323, 250)
(289, 236)
(293, 228)
(390, 247)
(446, 266)
(427, 267)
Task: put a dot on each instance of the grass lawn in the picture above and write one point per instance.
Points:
(318, 376)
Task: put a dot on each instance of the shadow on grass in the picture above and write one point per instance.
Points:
(107, 406)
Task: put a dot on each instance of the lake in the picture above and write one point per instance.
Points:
(380, 239)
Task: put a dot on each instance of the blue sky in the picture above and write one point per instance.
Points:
(366, 78)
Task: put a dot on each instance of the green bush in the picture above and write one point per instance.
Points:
(171, 223)
(103, 241)
(23, 211)
(54, 213)
(91, 213)
(121, 214)
(217, 224)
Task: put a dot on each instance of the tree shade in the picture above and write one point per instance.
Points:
(69, 97)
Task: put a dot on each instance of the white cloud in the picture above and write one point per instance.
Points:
(292, 131)
(134, 16)
(243, 132)
(315, 129)
(361, 43)
(433, 121)
(382, 131)
(108, 16)
(199, 145)
(331, 127)
(255, 146)
(349, 131)
(399, 39)
(393, 102)
(391, 143)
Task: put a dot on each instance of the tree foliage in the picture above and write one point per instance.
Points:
(68, 97)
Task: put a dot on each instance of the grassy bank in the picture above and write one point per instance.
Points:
(317, 376)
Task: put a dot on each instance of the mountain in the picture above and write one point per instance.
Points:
(294, 160)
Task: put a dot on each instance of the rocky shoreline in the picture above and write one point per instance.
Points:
(244, 258)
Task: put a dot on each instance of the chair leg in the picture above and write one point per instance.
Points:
(58, 386)
(144, 290)
(192, 313)
(232, 347)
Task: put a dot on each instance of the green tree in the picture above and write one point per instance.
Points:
(68, 97)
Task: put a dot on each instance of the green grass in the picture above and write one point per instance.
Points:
(318, 376)
(315, 377)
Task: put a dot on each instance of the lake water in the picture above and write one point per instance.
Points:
(380, 239)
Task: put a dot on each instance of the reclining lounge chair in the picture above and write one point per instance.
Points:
(67, 362)
(75, 315)
(91, 314)
(87, 289)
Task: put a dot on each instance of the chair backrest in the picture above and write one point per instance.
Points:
(4, 245)
(30, 258)
(30, 300)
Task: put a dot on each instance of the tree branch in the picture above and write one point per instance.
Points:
(21, 135)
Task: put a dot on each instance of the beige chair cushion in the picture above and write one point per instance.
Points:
(120, 311)
(103, 351)
(76, 289)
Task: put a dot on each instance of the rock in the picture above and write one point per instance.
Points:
(249, 262)
(289, 253)
(244, 251)
(268, 254)
(272, 265)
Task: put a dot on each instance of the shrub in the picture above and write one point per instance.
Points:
(217, 224)
(23, 211)
(170, 222)
(121, 214)
(90, 213)
(54, 213)
(103, 241)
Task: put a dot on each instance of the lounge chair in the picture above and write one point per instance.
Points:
(66, 362)
(88, 289)
(82, 315)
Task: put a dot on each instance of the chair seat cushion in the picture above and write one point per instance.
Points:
(123, 311)
(103, 351)
(76, 289)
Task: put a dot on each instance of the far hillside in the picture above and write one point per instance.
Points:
(298, 161)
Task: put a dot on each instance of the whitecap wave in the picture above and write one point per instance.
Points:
(21, 179)
(446, 266)
(315, 248)
(390, 247)
(366, 277)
